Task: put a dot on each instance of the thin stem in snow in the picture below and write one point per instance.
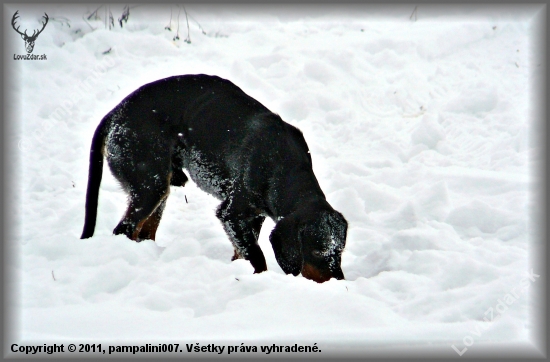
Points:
(95, 13)
(199, 25)
(169, 26)
(177, 37)
(414, 13)
(188, 40)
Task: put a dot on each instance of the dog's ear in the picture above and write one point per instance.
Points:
(338, 226)
(287, 245)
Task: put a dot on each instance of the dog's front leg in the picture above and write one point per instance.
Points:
(243, 228)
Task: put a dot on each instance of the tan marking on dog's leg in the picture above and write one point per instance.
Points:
(148, 229)
(236, 255)
(135, 234)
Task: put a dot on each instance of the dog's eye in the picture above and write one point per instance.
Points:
(317, 254)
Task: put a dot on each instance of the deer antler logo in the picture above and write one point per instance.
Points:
(29, 40)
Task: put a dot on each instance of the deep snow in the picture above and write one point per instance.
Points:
(421, 134)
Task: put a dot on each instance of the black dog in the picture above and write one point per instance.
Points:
(233, 148)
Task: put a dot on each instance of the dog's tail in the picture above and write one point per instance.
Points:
(94, 180)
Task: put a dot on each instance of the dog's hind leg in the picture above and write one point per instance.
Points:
(149, 228)
(143, 214)
(243, 227)
(143, 167)
(178, 177)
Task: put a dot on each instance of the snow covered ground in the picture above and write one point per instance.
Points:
(422, 133)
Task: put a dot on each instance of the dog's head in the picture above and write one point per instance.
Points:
(310, 241)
